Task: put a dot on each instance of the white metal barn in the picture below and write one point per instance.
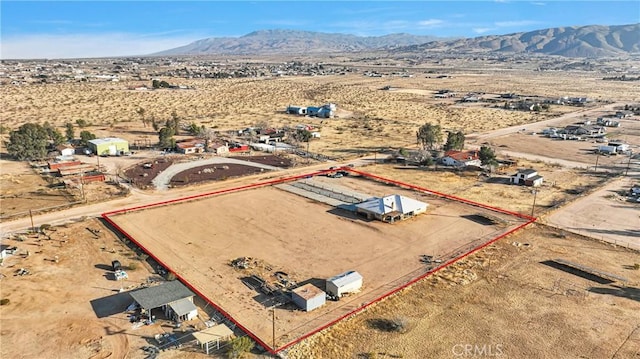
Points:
(347, 282)
(390, 208)
(308, 297)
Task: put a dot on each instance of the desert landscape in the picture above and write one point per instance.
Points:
(515, 298)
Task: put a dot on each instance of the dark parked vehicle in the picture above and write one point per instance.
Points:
(116, 265)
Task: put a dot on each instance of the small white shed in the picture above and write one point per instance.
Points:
(347, 282)
(308, 297)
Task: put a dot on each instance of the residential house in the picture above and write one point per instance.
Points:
(527, 177)
(191, 146)
(66, 150)
(219, 148)
(461, 158)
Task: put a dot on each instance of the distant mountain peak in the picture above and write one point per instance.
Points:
(589, 41)
(570, 41)
(282, 41)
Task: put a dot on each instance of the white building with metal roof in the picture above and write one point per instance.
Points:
(347, 282)
(391, 208)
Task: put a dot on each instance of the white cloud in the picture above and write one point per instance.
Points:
(515, 23)
(538, 3)
(430, 23)
(482, 30)
(89, 45)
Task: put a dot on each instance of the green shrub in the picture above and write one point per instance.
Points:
(4, 301)
(239, 347)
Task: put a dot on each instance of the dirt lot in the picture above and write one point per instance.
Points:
(22, 189)
(508, 299)
(58, 309)
(305, 239)
(540, 312)
(607, 214)
(276, 161)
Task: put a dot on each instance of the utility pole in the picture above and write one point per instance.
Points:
(626, 172)
(273, 326)
(33, 228)
(533, 207)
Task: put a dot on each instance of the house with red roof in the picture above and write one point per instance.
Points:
(461, 158)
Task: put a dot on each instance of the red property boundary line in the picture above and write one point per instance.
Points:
(274, 351)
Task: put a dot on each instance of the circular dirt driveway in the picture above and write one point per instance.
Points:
(163, 180)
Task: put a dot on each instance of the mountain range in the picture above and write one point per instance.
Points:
(575, 41)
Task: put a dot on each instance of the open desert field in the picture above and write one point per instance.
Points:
(508, 297)
(368, 118)
(307, 240)
(510, 300)
(578, 151)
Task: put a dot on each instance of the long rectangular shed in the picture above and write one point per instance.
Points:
(347, 282)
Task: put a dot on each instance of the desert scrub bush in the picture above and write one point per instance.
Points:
(240, 347)
(636, 266)
(4, 301)
(133, 266)
(395, 324)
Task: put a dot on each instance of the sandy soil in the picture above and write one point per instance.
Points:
(377, 118)
(607, 214)
(22, 189)
(560, 185)
(53, 312)
(322, 242)
(506, 299)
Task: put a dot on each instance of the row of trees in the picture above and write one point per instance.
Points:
(33, 141)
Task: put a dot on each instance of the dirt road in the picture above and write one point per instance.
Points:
(539, 126)
(603, 215)
(139, 198)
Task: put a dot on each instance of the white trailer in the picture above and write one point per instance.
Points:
(607, 150)
(347, 282)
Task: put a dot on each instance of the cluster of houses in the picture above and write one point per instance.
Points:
(325, 111)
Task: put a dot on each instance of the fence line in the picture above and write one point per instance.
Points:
(459, 253)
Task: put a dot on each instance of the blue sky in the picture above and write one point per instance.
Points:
(59, 29)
